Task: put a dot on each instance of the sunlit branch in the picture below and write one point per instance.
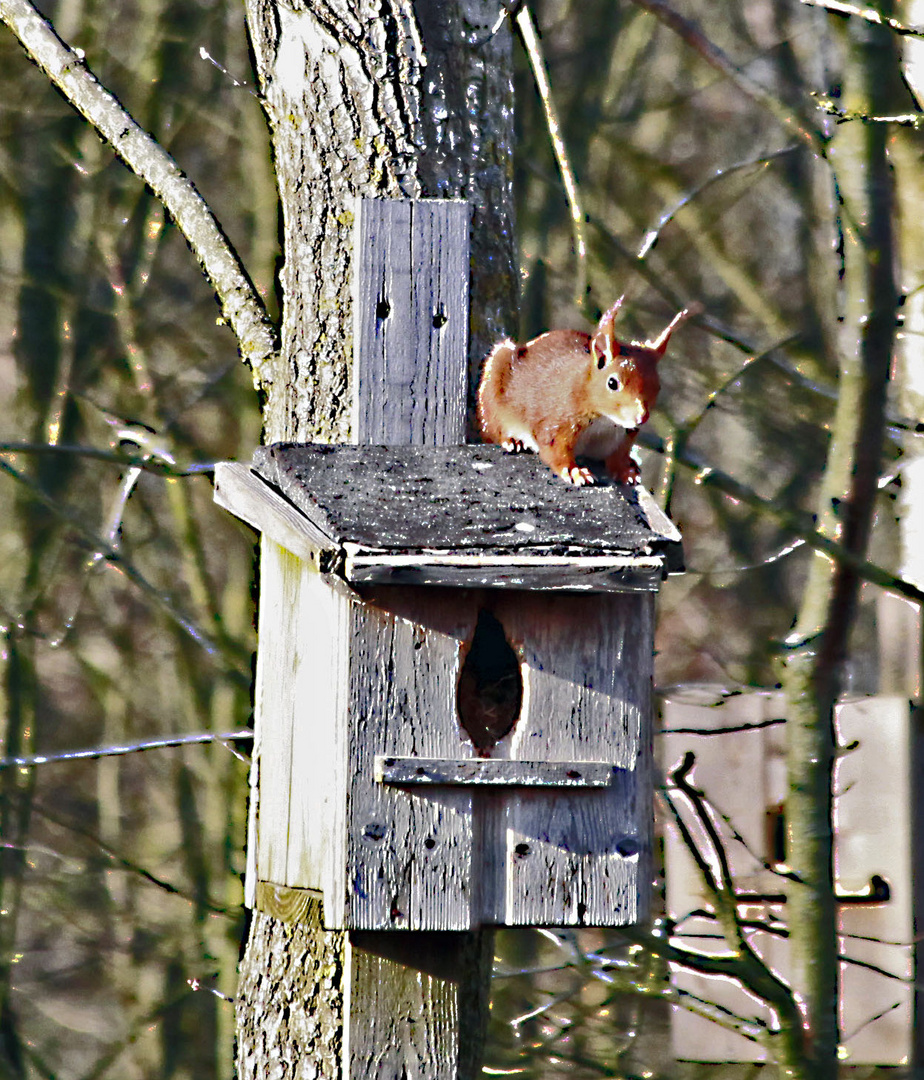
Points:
(719, 1014)
(240, 303)
(868, 14)
(527, 29)
(30, 760)
(652, 236)
(827, 105)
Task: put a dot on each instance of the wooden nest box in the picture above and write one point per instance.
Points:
(453, 685)
(453, 714)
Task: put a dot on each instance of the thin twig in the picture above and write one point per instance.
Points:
(115, 457)
(30, 760)
(796, 524)
(115, 558)
(652, 236)
(129, 864)
(731, 729)
(531, 43)
(692, 34)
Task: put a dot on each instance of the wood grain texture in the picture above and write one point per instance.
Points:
(434, 856)
(403, 1022)
(286, 903)
(409, 856)
(581, 858)
(242, 492)
(411, 265)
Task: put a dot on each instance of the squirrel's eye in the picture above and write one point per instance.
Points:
(612, 383)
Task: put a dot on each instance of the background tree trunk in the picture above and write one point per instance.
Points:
(814, 670)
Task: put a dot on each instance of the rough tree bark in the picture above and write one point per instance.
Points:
(393, 99)
(398, 99)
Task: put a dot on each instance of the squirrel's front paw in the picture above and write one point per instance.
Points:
(578, 475)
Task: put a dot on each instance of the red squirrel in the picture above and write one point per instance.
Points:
(567, 393)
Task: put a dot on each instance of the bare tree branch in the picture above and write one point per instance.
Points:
(868, 14)
(65, 67)
(530, 36)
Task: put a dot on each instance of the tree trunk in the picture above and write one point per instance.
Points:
(395, 100)
(813, 677)
(403, 100)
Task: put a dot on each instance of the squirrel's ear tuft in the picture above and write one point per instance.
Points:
(607, 323)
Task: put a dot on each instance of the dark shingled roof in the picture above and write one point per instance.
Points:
(461, 498)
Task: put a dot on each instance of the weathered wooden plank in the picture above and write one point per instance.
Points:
(493, 773)
(489, 571)
(409, 854)
(281, 575)
(410, 321)
(580, 858)
(317, 670)
(249, 497)
(872, 819)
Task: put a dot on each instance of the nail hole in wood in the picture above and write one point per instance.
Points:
(382, 308)
(490, 690)
(775, 832)
(440, 318)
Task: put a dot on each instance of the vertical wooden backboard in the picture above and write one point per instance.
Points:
(410, 307)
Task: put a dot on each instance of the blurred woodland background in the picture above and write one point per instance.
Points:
(125, 595)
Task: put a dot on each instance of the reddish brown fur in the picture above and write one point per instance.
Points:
(547, 394)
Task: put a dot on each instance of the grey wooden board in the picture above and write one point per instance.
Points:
(487, 772)
(409, 856)
(396, 499)
(411, 260)
(577, 575)
(576, 858)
